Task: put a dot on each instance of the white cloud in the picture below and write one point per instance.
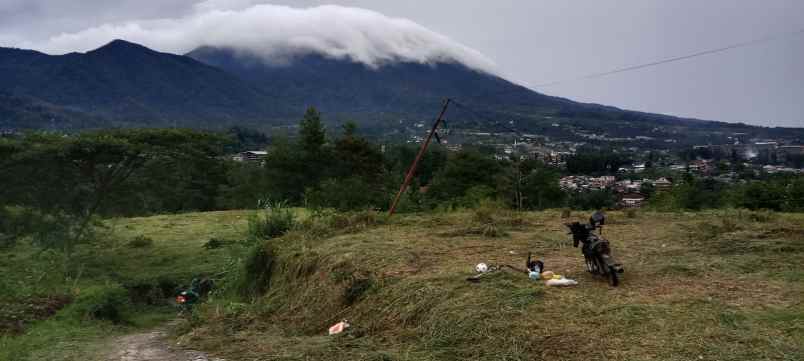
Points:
(211, 5)
(276, 32)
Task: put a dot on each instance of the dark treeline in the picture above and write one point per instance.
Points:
(347, 172)
(64, 181)
(151, 171)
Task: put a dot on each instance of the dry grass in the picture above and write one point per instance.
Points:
(715, 286)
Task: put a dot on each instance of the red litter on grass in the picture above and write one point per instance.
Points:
(338, 327)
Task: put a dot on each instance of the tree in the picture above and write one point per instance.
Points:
(599, 199)
(589, 161)
(355, 156)
(66, 181)
(647, 189)
(795, 196)
(464, 170)
(355, 179)
(312, 133)
(285, 172)
(540, 188)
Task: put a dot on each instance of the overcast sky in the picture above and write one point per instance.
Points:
(532, 42)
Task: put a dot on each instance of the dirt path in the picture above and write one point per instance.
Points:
(152, 346)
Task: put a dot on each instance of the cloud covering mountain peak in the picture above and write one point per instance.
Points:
(276, 33)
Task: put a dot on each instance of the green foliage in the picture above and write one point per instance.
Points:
(141, 242)
(312, 133)
(647, 190)
(245, 185)
(274, 221)
(245, 139)
(762, 195)
(488, 220)
(596, 162)
(784, 193)
(540, 189)
(255, 277)
(463, 171)
(286, 174)
(398, 158)
(65, 182)
(598, 199)
(107, 303)
(216, 243)
(697, 194)
(475, 196)
(347, 194)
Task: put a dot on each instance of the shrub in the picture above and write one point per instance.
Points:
(484, 221)
(345, 195)
(141, 242)
(761, 216)
(150, 291)
(631, 213)
(255, 276)
(100, 303)
(476, 196)
(215, 243)
(275, 221)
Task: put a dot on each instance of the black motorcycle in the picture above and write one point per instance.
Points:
(595, 248)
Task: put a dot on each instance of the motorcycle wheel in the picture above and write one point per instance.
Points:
(599, 265)
(613, 278)
(590, 265)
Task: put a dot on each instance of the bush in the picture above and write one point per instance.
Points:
(323, 223)
(631, 213)
(255, 276)
(484, 221)
(100, 303)
(275, 221)
(215, 243)
(476, 196)
(345, 195)
(141, 242)
(761, 216)
(150, 291)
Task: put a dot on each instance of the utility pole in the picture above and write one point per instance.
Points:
(415, 164)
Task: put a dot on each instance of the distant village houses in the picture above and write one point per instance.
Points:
(250, 156)
(632, 200)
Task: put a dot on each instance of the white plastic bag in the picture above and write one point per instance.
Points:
(561, 282)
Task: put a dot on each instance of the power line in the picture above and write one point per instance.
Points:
(678, 58)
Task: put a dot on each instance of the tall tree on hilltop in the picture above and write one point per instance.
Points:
(312, 132)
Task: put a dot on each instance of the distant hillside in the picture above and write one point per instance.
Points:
(125, 84)
(342, 86)
(411, 91)
(17, 110)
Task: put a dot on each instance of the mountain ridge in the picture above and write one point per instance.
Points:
(124, 84)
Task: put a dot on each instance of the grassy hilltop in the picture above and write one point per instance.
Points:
(721, 285)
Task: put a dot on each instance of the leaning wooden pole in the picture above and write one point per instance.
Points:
(415, 164)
